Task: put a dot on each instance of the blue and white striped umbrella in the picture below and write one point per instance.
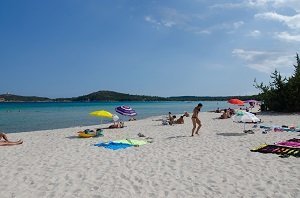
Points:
(125, 110)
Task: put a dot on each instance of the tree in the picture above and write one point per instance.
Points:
(294, 88)
(282, 94)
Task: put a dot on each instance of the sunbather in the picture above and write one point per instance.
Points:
(7, 142)
(225, 114)
(116, 125)
(179, 120)
(171, 118)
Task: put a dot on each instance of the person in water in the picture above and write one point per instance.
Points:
(195, 119)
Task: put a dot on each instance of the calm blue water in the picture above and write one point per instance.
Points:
(20, 117)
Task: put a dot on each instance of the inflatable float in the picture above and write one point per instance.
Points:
(90, 133)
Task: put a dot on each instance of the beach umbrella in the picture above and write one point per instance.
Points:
(245, 117)
(102, 114)
(125, 110)
(235, 101)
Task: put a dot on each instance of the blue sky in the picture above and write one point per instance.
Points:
(65, 48)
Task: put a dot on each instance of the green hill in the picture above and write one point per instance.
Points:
(16, 98)
(116, 96)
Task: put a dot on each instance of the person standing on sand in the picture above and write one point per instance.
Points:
(196, 121)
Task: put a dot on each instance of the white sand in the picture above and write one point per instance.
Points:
(217, 163)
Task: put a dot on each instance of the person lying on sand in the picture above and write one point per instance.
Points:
(116, 125)
(7, 142)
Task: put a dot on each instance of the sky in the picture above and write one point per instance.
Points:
(69, 48)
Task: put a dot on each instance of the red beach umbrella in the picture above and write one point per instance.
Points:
(236, 101)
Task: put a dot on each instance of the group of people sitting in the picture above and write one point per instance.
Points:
(227, 113)
(116, 125)
(172, 118)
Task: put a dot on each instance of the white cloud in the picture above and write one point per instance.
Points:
(228, 5)
(261, 4)
(294, 4)
(224, 26)
(292, 22)
(164, 23)
(263, 61)
(287, 36)
(242, 4)
(169, 18)
(238, 24)
(204, 32)
(151, 20)
(255, 33)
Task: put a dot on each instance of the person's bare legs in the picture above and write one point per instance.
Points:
(9, 143)
(2, 135)
(194, 126)
(199, 125)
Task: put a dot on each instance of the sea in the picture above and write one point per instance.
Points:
(35, 116)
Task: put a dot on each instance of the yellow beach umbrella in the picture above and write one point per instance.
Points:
(102, 113)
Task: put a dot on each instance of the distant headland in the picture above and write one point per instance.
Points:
(107, 96)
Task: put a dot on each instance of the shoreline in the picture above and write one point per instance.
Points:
(217, 163)
(23, 117)
(159, 117)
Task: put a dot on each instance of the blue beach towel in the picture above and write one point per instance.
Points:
(113, 145)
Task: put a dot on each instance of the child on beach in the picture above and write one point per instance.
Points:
(196, 121)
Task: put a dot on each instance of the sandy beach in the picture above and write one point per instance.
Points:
(216, 163)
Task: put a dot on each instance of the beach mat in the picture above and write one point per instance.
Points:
(292, 143)
(113, 145)
(132, 142)
(278, 149)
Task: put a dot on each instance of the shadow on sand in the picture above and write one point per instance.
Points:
(232, 134)
(179, 136)
(72, 137)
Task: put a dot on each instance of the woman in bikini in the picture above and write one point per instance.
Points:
(6, 142)
(196, 121)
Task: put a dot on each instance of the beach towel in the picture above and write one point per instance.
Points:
(113, 145)
(292, 143)
(287, 148)
(131, 142)
(280, 128)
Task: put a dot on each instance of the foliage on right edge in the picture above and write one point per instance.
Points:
(282, 94)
